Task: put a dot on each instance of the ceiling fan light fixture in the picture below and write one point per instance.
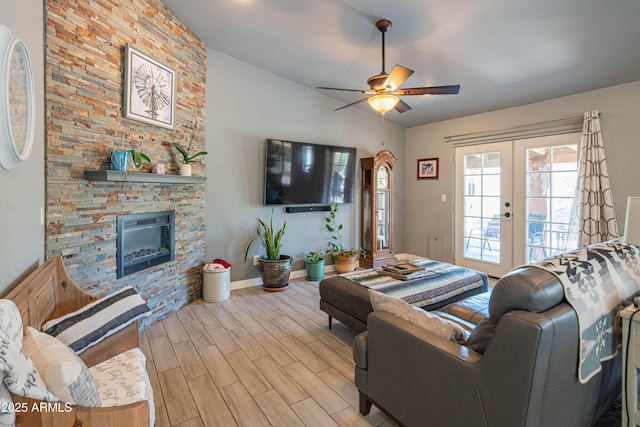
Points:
(383, 102)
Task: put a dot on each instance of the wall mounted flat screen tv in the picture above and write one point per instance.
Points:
(301, 173)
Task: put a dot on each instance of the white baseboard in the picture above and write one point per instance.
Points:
(296, 274)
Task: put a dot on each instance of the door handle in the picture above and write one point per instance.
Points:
(507, 214)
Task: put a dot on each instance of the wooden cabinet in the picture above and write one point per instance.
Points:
(376, 218)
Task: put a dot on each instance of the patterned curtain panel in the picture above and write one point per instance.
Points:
(594, 217)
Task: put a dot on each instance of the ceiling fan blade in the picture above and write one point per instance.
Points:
(345, 90)
(402, 106)
(353, 103)
(433, 90)
(398, 75)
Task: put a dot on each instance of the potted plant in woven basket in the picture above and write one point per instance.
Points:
(275, 268)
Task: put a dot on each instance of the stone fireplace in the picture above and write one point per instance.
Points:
(84, 81)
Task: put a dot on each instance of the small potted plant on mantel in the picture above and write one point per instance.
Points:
(137, 158)
(345, 259)
(185, 167)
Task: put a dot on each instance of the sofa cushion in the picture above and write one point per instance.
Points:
(481, 336)
(64, 373)
(467, 326)
(471, 309)
(418, 316)
(94, 322)
(525, 288)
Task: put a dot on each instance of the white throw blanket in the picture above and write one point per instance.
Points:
(597, 279)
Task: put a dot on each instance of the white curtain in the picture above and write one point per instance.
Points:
(593, 217)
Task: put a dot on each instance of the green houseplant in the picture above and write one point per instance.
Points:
(345, 259)
(187, 158)
(314, 263)
(137, 158)
(274, 267)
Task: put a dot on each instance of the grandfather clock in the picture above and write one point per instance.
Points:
(377, 210)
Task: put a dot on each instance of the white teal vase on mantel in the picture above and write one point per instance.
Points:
(185, 169)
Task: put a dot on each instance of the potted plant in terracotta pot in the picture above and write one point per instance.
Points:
(314, 263)
(345, 260)
(185, 167)
(274, 267)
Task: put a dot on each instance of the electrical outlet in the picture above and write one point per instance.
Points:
(255, 259)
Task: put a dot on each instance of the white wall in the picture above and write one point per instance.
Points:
(245, 106)
(22, 188)
(619, 107)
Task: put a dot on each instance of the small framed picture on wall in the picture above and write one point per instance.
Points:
(428, 168)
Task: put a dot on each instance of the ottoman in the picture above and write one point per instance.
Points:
(348, 301)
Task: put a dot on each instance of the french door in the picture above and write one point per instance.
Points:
(513, 201)
(483, 207)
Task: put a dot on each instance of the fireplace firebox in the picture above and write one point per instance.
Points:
(144, 240)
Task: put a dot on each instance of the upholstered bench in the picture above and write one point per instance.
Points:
(348, 301)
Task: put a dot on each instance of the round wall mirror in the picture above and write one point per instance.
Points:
(17, 101)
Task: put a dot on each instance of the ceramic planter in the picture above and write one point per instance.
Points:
(275, 274)
(345, 263)
(315, 270)
(185, 170)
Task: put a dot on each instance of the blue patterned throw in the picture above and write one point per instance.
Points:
(597, 279)
(440, 281)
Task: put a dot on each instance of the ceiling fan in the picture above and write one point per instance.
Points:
(385, 87)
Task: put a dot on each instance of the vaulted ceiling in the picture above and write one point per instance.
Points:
(503, 53)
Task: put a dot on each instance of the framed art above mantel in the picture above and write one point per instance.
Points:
(149, 89)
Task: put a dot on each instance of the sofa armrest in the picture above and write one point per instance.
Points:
(360, 350)
(394, 367)
(407, 365)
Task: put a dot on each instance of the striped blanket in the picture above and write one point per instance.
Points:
(439, 282)
(597, 279)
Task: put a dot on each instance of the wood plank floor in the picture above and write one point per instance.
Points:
(256, 359)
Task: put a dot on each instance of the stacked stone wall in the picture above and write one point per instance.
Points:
(84, 77)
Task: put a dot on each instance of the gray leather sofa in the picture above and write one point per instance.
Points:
(518, 368)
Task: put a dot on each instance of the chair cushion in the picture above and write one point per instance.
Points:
(64, 373)
(418, 316)
(94, 322)
(123, 379)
